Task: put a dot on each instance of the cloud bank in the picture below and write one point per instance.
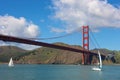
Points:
(9, 25)
(95, 13)
(19, 27)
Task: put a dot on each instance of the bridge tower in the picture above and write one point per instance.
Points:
(85, 37)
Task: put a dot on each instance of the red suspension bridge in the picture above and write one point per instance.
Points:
(85, 50)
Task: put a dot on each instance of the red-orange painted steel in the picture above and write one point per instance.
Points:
(85, 57)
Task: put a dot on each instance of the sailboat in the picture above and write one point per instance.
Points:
(11, 63)
(99, 67)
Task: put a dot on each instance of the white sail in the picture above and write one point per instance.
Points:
(100, 65)
(11, 63)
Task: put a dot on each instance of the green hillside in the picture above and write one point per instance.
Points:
(44, 55)
(11, 51)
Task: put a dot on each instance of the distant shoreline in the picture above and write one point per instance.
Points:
(58, 64)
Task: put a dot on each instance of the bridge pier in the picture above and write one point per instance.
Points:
(85, 37)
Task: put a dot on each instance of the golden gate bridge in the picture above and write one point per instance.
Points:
(86, 54)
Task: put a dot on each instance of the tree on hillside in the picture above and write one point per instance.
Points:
(117, 57)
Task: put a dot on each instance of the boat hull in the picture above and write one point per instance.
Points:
(96, 69)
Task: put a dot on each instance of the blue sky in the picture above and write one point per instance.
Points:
(51, 18)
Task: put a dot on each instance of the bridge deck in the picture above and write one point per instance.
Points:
(32, 42)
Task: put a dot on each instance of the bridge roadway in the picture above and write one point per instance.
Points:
(7, 38)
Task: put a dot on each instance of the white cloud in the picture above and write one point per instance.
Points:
(23, 46)
(95, 13)
(19, 27)
(57, 30)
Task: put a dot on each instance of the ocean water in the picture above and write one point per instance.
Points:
(58, 72)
